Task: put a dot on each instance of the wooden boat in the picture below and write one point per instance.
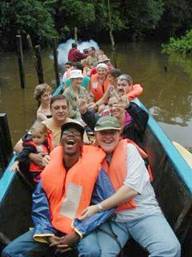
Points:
(172, 183)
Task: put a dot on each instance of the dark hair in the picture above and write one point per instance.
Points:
(74, 45)
(69, 63)
(58, 97)
(115, 73)
(78, 66)
(85, 51)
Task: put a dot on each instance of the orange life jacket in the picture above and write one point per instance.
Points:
(117, 169)
(69, 192)
(135, 92)
(97, 89)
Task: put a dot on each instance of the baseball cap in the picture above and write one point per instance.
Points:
(107, 123)
(73, 124)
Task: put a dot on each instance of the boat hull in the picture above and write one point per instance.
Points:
(172, 184)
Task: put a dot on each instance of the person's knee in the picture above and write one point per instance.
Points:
(175, 248)
(91, 252)
(85, 249)
(171, 248)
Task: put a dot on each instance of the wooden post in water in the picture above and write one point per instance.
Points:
(6, 148)
(114, 56)
(75, 35)
(55, 55)
(20, 60)
(30, 44)
(38, 66)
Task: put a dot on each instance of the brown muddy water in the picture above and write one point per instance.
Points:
(167, 85)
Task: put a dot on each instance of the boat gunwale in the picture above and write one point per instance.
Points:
(174, 156)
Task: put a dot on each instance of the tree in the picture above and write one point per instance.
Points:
(30, 17)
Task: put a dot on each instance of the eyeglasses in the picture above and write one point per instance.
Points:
(73, 133)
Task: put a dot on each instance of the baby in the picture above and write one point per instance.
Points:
(39, 142)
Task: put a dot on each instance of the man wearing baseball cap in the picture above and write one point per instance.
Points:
(138, 214)
(66, 188)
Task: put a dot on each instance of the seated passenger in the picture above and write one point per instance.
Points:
(133, 119)
(91, 60)
(65, 189)
(39, 142)
(42, 94)
(74, 55)
(99, 81)
(112, 88)
(138, 214)
(86, 79)
(74, 93)
(125, 86)
(67, 69)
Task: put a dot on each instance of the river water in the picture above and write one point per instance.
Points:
(167, 85)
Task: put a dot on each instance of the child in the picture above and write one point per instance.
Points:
(40, 141)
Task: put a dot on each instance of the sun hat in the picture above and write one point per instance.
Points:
(103, 58)
(107, 123)
(102, 66)
(74, 74)
(73, 124)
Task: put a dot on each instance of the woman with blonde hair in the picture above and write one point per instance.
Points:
(42, 94)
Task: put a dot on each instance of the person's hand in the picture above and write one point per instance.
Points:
(55, 241)
(45, 160)
(88, 212)
(83, 107)
(124, 100)
(15, 166)
(64, 243)
(36, 158)
(92, 106)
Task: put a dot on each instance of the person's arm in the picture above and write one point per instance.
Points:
(41, 216)
(123, 194)
(19, 146)
(24, 154)
(79, 55)
(135, 92)
(134, 183)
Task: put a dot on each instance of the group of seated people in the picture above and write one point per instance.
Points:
(91, 198)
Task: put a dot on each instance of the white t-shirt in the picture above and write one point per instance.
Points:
(138, 179)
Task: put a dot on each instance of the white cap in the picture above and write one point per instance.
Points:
(74, 74)
(102, 66)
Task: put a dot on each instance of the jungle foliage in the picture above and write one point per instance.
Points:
(46, 19)
(181, 45)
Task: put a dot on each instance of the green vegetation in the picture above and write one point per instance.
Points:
(181, 45)
(45, 19)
